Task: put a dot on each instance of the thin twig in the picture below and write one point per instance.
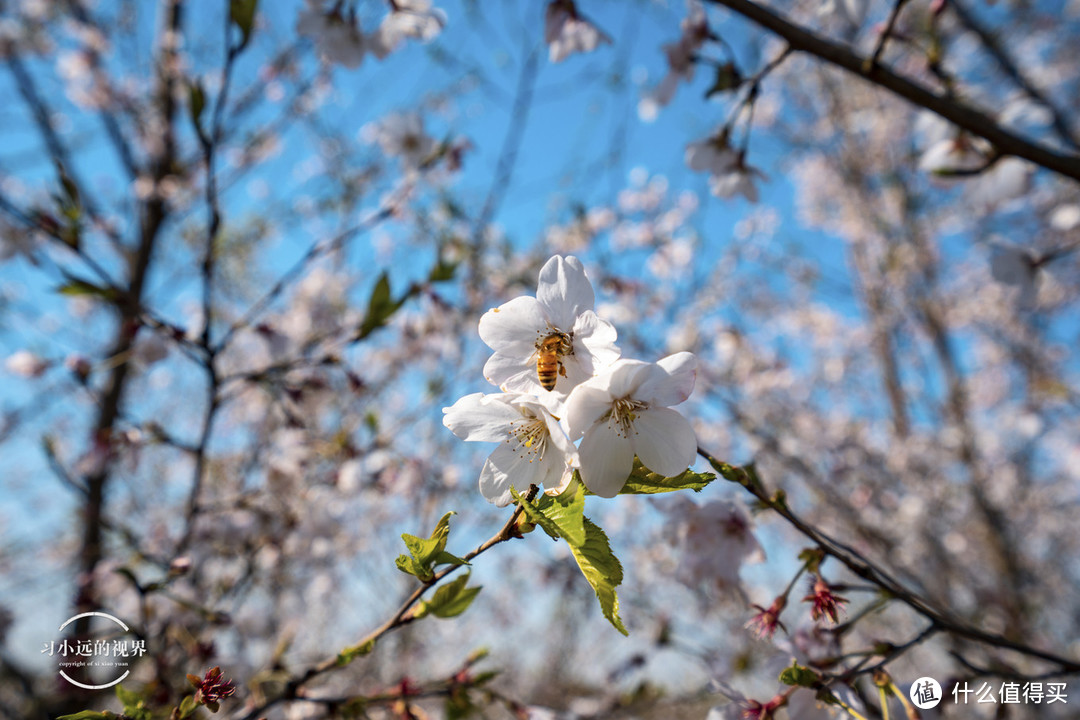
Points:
(886, 33)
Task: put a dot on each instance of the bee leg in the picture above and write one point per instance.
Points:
(562, 369)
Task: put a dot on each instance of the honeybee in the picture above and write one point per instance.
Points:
(550, 350)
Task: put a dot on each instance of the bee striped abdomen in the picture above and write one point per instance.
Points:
(548, 359)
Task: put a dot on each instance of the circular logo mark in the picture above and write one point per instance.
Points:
(107, 656)
(925, 693)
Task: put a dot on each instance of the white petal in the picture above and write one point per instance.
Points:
(558, 50)
(514, 327)
(697, 157)
(550, 470)
(606, 460)
(579, 369)
(595, 338)
(1065, 217)
(625, 377)
(505, 469)
(673, 385)
(564, 291)
(482, 418)
(566, 484)
(664, 441)
(513, 374)
(495, 485)
(557, 436)
(586, 404)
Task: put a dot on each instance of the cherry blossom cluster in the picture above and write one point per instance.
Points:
(339, 38)
(616, 407)
(566, 31)
(681, 56)
(730, 174)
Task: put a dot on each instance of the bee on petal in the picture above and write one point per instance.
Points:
(549, 353)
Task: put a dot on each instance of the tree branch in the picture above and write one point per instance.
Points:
(862, 567)
(1010, 68)
(953, 110)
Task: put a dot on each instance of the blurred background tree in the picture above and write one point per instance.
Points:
(244, 249)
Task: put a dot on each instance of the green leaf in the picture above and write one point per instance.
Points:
(745, 476)
(71, 190)
(643, 481)
(450, 600)
(128, 698)
(535, 515)
(727, 78)
(602, 569)
(458, 705)
(349, 654)
(445, 558)
(355, 708)
(196, 105)
(187, 706)
(134, 704)
(567, 512)
(799, 675)
(560, 516)
(825, 695)
(442, 271)
(484, 677)
(381, 305)
(812, 559)
(409, 566)
(380, 294)
(242, 13)
(426, 553)
(90, 715)
(76, 287)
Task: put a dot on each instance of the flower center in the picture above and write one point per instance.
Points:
(528, 436)
(623, 413)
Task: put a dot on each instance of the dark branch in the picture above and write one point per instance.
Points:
(953, 110)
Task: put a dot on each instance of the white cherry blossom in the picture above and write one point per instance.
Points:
(957, 155)
(739, 180)
(563, 304)
(402, 135)
(626, 412)
(852, 12)
(1017, 266)
(534, 449)
(1065, 217)
(713, 155)
(337, 39)
(26, 364)
(407, 19)
(566, 32)
(680, 58)
(715, 540)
